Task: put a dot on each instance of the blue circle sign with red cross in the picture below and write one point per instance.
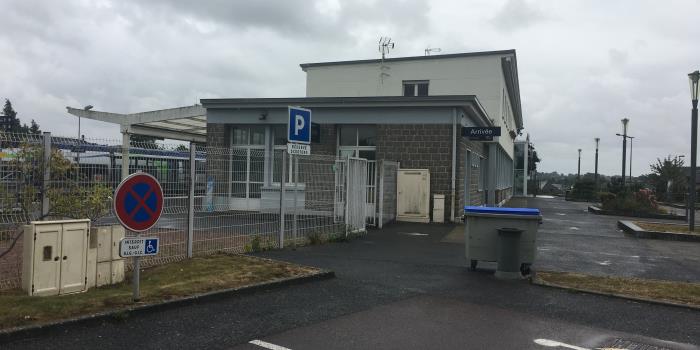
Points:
(138, 202)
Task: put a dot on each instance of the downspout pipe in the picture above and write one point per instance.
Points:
(454, 161)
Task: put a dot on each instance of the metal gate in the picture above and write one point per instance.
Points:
(356, 194)
(386, 196)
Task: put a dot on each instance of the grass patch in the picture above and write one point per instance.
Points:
(671, 228)
(669, 291)
(160, 283)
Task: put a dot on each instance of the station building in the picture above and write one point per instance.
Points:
(407, 109)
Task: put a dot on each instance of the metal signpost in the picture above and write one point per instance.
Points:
(138, 204)
(300, 131)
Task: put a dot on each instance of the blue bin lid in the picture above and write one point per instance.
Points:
(499, 210)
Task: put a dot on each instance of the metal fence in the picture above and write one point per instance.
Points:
(216, 199)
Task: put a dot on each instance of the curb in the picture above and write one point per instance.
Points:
(538, 282)
(629, 227)
(16, 333)
(597, 211)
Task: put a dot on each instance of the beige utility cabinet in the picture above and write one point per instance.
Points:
(55, 257)
(109, 267)
(413, 197)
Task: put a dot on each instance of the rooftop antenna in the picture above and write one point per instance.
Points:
(385, 45)
(428, 50)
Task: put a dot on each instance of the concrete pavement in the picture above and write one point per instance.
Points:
(572, 239)
(393, 289)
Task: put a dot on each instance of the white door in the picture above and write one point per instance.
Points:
(413, 198)
(73, 258)
(47, 260)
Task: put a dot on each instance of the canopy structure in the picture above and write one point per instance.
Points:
(183, 123)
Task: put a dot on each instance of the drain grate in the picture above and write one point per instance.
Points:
(620, 343)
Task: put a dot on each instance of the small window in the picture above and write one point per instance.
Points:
(240, 136)
(47, 253)
(348, 135)
(415, 88)
(366, 135)
(279, 134)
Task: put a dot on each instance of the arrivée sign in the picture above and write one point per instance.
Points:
(481, 133)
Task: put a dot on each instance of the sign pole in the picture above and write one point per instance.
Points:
(136, 278)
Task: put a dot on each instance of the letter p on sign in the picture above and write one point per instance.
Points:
(299, 125)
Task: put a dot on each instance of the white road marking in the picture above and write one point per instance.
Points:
(414, 234)
(561, 214)
(573, 228)
(604, 263)
(557, 344)
(267, 345)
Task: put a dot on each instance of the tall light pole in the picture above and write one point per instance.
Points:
(578, 176)
(597, 142)
(631, 139)
(624, 147)
(694, 77)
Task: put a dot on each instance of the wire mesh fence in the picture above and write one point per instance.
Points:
(234, 199)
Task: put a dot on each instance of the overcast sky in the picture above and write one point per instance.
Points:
(583, 65)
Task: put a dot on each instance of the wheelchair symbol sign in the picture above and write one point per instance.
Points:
(151, 247)
(138, 246)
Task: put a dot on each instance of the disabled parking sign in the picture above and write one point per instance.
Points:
(138, 202)
(138, 246)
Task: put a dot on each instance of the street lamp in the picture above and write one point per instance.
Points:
(579, 164)
(631, 139)
(693, 77)
(597, 142)
(624, 147)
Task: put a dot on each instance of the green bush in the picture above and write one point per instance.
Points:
(584, 189)
(639, 202)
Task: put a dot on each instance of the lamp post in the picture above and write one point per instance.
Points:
(631, 139)
(578, 176)
(694, 77)
(624, 147)
(597, 142)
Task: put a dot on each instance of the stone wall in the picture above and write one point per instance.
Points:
(420, 146)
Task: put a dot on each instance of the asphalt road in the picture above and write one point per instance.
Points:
(401, 287)
(572, 239)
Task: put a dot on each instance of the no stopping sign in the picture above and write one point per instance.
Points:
(138, 202)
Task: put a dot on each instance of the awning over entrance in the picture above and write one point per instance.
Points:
(182, 123)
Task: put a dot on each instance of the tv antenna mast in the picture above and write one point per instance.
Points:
(385, 45)
(428, 50)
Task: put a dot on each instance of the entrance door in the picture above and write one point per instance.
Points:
(73, 258)
(47, 260)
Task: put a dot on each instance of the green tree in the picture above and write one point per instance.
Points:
(34, 128)
(668, 178)
(10, 113)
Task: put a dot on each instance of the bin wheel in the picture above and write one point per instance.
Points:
(525, 269)
(473, 263)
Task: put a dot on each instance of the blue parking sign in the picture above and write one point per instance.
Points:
(299, 125)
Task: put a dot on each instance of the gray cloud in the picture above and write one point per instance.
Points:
(517, 14)
(583, 65)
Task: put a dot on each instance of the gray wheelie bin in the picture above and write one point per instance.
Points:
(481, 233)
